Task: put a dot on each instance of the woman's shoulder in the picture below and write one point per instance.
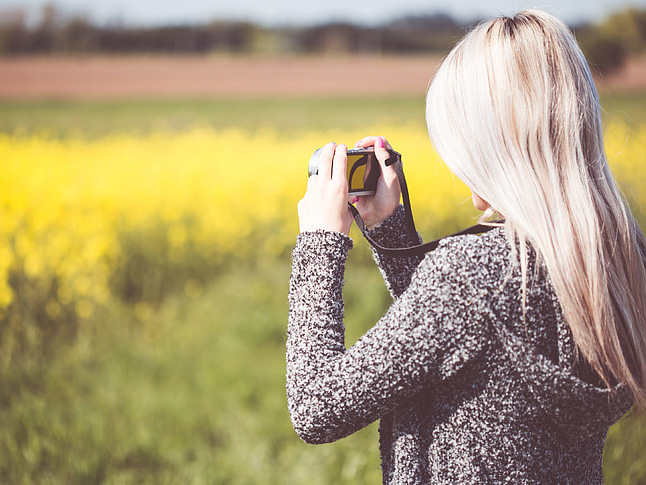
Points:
(472, 245)
(491, 247)
(482, 259)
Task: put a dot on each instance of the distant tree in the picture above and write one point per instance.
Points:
(423, 33)
(13, 31)
(234, 37)
(608, 44)
(42, 38)
(79, 36)
(605, 54)
(627, 27)
(336, 38)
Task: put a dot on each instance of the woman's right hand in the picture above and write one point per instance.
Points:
(375, 209)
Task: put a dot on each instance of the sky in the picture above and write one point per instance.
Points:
(304, 12)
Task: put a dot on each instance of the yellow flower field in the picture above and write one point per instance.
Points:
(66, 203)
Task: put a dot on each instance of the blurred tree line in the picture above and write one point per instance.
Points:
(607, 44)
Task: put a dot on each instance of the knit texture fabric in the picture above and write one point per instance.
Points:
(466, 388)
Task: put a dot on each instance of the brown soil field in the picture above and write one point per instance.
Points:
(127, 77)
(631, 78)
(168, 76)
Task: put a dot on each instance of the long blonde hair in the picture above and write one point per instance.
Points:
(514, 112)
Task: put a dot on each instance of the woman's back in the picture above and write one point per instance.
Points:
(468, 390)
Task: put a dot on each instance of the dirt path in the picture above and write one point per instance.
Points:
(128, 77)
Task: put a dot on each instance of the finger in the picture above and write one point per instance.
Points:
(340, 164)
(325, 161)
(366, 141)
(312, 182)
(382, 153)
(369, 141)
(382, 149)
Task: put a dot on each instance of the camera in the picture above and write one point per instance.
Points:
(363, 170)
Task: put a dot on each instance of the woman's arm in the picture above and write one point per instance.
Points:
(430, 333)
(395, 233)
(384, 216)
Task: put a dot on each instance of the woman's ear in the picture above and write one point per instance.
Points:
(479, 202)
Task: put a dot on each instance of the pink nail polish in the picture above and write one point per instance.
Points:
(380, 142)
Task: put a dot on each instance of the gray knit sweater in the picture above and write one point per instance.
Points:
(467, 390)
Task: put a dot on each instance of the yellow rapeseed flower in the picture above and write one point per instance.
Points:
(66, 204)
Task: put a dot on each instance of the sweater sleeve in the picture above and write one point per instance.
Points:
(395, 233)
(431, 332)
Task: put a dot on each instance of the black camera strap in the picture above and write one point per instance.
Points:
(420, 249)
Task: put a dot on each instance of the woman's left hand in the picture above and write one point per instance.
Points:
(325, 203)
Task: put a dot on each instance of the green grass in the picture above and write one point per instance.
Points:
(629, 108)
(287, 115)
(195, 394)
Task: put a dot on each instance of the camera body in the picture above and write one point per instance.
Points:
(363, 170)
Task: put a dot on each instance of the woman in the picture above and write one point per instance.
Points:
(505, 356)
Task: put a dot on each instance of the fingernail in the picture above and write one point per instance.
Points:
(380, 142)
(355, 200)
